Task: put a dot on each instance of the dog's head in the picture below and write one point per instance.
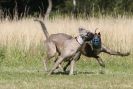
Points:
(96, 41)
(86, 34)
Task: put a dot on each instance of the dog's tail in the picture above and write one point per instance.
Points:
(43, 28)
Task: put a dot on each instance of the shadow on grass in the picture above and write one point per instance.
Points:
(75, 73)
(61, 73)
(86, 72)
(12, 75)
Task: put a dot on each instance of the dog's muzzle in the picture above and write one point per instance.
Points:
(89, 36)
(96, 42)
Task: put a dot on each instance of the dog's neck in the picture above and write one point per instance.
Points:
(79, 40)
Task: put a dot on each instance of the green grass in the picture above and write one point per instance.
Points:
(39, 80)
(21, 69)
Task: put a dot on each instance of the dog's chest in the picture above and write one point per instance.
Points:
(89, 50)
(97, 51)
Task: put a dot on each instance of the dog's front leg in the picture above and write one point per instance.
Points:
(102, 64)
(75, 58)
(100, 61)
(71, 67)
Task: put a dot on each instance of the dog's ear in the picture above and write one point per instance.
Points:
(82, 31)
(99, 34)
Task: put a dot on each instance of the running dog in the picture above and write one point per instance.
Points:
(66, 46)
(94, 47)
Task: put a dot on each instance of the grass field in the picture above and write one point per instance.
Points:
(22, 51)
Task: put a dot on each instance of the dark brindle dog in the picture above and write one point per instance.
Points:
(94, 47)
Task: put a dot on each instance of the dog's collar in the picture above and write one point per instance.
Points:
(79, 40)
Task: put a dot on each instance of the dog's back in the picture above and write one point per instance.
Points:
(59, 39)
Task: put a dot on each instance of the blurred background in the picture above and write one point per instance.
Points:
(84, 8)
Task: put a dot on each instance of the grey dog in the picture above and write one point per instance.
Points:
(67, 47)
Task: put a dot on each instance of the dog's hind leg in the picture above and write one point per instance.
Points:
(66, 66)
(111, 52)
(50, 53)
(59, 61)
(56, 58)
(45, 63)
(46, 60)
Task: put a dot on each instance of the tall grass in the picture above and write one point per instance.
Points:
(116, 32)
(22, 40)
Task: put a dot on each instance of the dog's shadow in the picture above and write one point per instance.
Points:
(61, 73)
(86, 72)
(76, 73)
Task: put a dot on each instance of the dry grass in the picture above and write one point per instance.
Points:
(117, 33)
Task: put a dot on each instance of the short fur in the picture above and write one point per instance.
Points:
(89, 50)
(66, 46)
